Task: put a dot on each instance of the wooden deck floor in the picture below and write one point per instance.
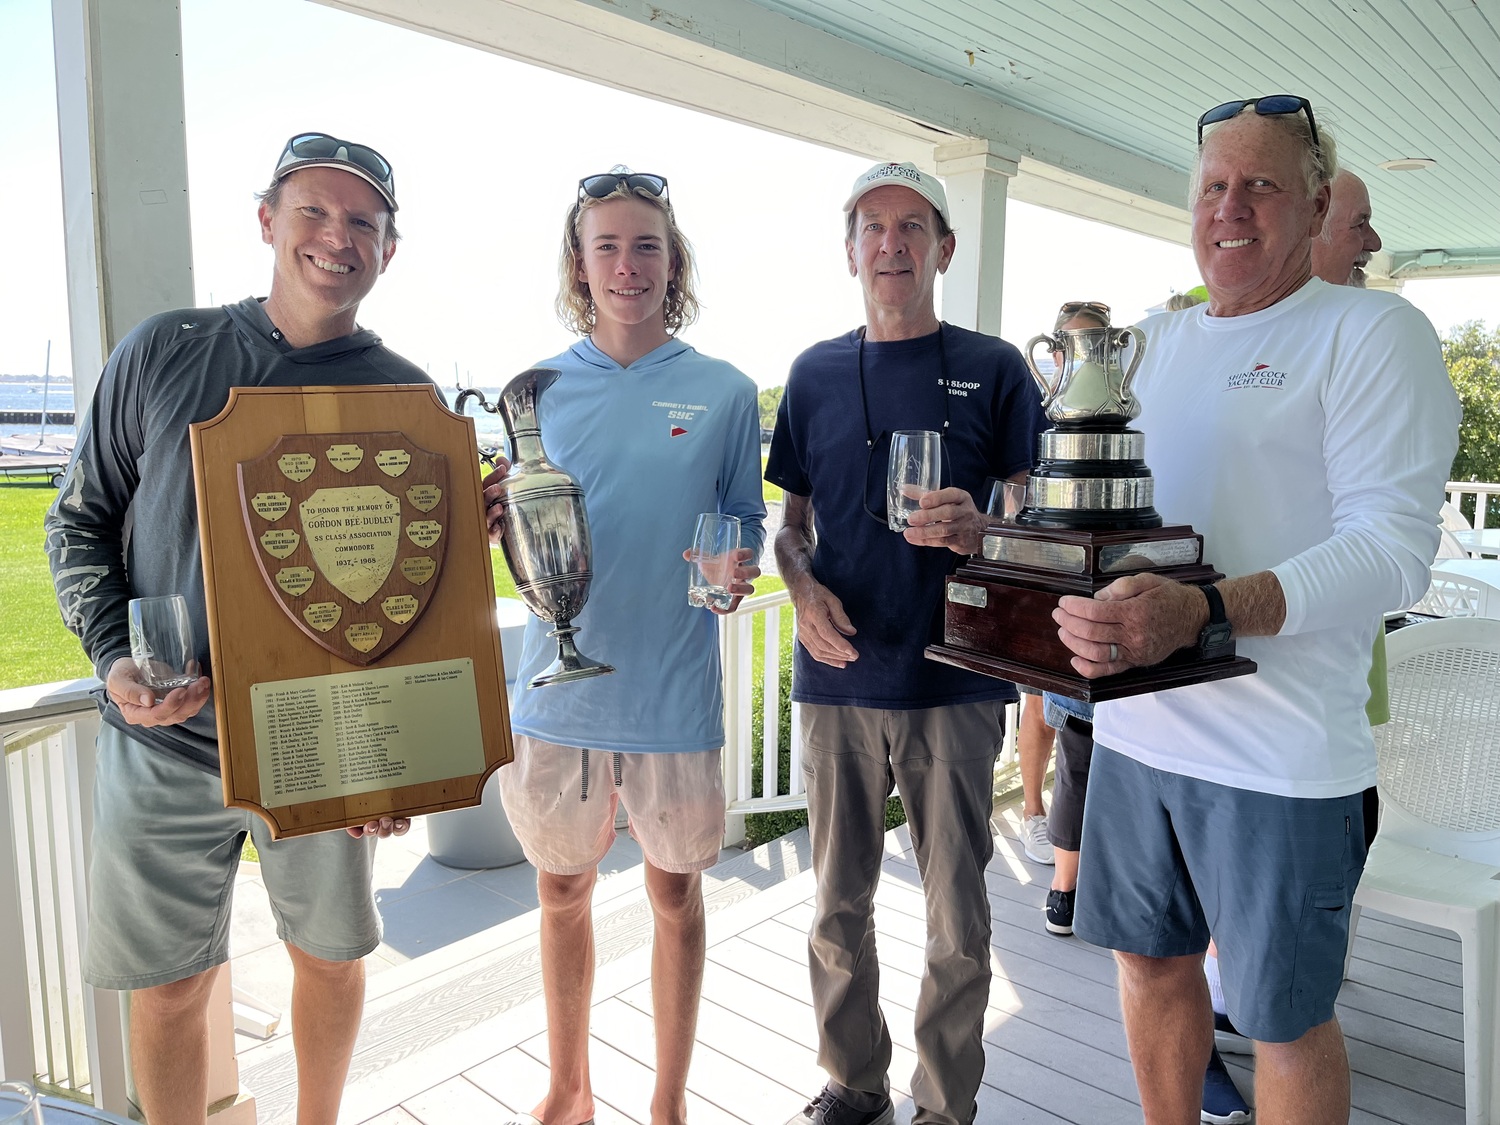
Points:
(461, 1039)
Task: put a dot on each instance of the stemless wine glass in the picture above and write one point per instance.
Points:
(712, 560)
(915, 468)
(1007, 498)
(161, 641)
(20, 1104)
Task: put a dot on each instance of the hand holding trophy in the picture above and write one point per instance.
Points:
(1087, 520)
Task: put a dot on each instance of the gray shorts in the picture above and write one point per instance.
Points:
(161, 880)
(1169, 859)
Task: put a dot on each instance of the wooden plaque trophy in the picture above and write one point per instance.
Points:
(1087, 520)
(354, 647)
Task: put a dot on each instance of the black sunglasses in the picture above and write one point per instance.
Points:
(606, 184)
(322, 146)
(1272, 105)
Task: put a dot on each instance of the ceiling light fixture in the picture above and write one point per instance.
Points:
(1408, 164)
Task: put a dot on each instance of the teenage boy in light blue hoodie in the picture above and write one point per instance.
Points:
(655, 434)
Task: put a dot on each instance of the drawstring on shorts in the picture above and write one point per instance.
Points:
(583, 794)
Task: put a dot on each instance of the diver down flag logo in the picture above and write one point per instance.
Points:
(676, 430)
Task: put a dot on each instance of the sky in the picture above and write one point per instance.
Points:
(487, 153)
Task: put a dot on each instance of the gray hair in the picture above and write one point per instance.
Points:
(1320, 163)
(1179, 301)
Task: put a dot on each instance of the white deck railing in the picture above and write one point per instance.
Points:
(53, 1026)
(1459, 490)
(763, 625)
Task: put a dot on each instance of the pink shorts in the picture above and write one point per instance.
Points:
(675, 802)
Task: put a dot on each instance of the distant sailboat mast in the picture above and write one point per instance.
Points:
(46, 372)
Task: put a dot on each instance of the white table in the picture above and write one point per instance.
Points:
(1480, 541)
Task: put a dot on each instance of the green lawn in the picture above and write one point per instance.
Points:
(34, 646)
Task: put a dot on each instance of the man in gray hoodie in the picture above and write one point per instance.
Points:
(125, 525)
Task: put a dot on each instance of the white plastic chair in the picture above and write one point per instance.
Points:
(1452, 595)
(1436, 859)
(1453, 519)
(1481, 575)
(1449, 547)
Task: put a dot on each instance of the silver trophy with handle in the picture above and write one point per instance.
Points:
(546, 527)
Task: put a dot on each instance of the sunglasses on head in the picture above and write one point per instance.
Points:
(1272, 105)
(606, 184)
(1070, 309)
(322, 146)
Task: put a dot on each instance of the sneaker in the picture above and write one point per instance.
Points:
(1059, 912)
(1222, 1104)
(1034, 840)
(829, 1109)
(1227, 1037)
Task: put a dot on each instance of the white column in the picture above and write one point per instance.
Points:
(124, 171)
(976, 175)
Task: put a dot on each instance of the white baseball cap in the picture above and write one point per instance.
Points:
(928, 187)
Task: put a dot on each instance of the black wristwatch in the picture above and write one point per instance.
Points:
(1215, 634)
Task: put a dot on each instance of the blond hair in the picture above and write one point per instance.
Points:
(575, 304)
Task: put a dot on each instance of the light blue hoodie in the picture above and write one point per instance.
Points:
(652, 445)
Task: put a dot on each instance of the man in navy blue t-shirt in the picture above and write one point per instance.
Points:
(874, 711)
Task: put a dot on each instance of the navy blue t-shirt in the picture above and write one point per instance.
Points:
(891, 590)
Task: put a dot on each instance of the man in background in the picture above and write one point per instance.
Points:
(1342, 250)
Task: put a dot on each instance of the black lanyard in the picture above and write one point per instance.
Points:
(864, 401)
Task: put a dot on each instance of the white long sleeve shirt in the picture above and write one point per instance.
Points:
(1312, 439)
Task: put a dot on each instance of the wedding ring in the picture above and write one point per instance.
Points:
(1114, 652)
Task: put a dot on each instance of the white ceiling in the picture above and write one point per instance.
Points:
(1097, 99)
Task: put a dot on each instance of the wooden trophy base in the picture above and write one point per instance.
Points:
(998, 607)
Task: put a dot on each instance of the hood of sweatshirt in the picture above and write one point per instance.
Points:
(250, 318)
(586, 353)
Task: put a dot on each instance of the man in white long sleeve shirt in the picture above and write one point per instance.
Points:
(1307, 431)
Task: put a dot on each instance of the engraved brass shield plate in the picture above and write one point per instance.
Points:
(352, 557)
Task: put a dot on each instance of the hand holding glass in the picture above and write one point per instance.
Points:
(712, 561)
(161, 642)
(915, 469)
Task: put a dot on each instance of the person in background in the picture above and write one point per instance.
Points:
(655, 433)
(165, 848)
(1034, 740)
(1342, 250)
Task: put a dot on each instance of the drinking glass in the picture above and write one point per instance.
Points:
(712, 560)
(915, 467)
(20, 1104)
(1007, 498)
(161, 641)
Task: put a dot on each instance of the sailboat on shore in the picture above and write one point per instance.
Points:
(58, 446)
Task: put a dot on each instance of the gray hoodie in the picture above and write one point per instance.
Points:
(125, 523)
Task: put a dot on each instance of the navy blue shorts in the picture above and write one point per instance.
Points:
(1168, 860)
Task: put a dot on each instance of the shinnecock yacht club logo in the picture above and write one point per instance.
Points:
(1259, 377)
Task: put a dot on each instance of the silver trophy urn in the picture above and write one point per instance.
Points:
(1090, 470)
(546, 540)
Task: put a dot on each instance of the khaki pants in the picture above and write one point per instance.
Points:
(942, 760)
